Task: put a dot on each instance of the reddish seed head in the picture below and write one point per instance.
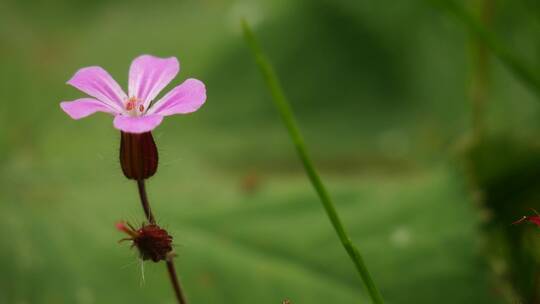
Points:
(153, 242)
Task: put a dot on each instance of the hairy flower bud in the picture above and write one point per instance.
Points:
(138, 155)
(153, 242)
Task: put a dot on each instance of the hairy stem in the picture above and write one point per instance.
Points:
(180, 297)
(287, 115)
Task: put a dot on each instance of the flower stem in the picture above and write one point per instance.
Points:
(144, 201)
(480, 71)
(170, 265)
(175, 283)
(287, 115)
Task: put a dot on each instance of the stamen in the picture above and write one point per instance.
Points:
(141, 108)
(131, 103)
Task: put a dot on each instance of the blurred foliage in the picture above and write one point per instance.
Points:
(381, 91)
(507, 174)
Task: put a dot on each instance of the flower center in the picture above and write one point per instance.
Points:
(134, 107)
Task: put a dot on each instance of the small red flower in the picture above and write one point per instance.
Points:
(153, 242)
(535, 219)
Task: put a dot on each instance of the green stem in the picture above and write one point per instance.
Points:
(521, 69)
(287, 115)
(480, 71)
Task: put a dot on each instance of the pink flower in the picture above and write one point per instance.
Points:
(135, 113)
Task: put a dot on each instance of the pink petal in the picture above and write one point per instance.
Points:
(96, 82)
(185, 98)
(139, 124)
(148, 75)
(83, 107)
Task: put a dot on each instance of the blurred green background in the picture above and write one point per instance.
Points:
(385, 93)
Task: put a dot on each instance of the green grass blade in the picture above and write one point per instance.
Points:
(287, 115)
(520, 69)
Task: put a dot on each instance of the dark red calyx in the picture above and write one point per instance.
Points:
(138, 155)
(153, 242)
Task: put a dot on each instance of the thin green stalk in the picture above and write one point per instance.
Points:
(480, 71)
(287, 115)
(521, 69)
